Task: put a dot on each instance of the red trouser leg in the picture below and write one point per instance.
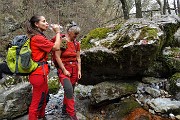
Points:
(67, 83)
(39, 93)
(70, 106)
(41, 112)
(68, 100)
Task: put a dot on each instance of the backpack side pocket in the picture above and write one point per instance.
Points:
(25, 60)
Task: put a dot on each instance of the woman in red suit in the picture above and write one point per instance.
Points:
(69, 67)
(40, 47)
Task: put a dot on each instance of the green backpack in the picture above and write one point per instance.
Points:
(19, 56)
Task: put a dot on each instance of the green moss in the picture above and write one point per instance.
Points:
(119, 42)
(53, 86)
(128, 105)
(171, 59)
(1, 60)
(170, 29)
(173, 88)
(13, 80)
(10, 81)
(129, 87)
(101, 58)
(121, 109)
(98, 33)
(175, 51)
(150, 33)
(117, 27)
(106, 44)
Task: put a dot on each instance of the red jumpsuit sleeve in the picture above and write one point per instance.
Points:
(53, 39)
(42, 43)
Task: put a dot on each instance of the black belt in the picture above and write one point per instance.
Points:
(69, 62)
(42, 63)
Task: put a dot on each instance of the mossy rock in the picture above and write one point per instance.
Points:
(173, 88)
(157, 69)
(119, 43)
(123, 108)
(149, 33)
(98, 34)
(170, 29)
(171, 58)
(127, 36)
(13, 80)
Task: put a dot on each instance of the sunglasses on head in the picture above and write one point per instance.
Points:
(71, 26)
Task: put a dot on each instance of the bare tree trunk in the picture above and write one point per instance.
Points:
(125, 9)
(175, 7)
(58, 12)
(164, 7)
(138, 9)
(178, 6)
(160, 5)
(168, 7)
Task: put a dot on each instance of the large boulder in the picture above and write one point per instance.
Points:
(15, 101)
(107, 91)
(125, 50)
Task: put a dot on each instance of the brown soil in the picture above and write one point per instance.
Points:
(141, 114)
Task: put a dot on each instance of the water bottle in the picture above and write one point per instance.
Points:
(60, 27)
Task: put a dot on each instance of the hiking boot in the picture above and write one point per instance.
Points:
(73, 117)
(43, 118)
(64, 113)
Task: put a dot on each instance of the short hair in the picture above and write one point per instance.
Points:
(72, 27)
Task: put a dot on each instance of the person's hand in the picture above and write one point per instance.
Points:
(67, 73)
(79, 74)
(55, 28)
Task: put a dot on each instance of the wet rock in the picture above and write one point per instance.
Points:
(174, 87)
(11, 102)
(111, 90)
(164, 105)
(177, 117)
(153, 92)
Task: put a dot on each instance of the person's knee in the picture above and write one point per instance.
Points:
(68, 89)
(69, 93)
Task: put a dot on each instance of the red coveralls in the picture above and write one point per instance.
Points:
(69, 60)
(40, 46)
